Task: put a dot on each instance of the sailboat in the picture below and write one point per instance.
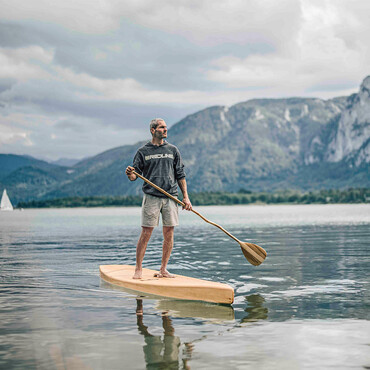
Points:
(5, 204)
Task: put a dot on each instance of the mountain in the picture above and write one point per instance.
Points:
(65, 162)
(99, 175)
(260, 144)
(350, 140)
(11, 162)
(28, 178)
(282, 143)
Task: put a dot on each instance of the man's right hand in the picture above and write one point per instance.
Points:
(130, 174)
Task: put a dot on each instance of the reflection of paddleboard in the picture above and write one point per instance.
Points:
(181, 287)
(202, 310)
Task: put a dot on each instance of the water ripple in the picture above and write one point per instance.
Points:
(312, 287)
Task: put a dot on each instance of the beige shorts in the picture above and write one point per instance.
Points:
(153, 206)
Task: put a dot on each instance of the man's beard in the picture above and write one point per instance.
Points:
(160, 136)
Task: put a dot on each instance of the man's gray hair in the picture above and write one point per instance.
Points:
(155, 122)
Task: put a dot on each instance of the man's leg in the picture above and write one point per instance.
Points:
(170, 218)
(145, 235)
(168, 232)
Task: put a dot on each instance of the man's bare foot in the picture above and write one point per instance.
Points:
(164, 274)
(138, 274)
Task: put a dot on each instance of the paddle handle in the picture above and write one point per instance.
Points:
(159, 189)
(183, 205)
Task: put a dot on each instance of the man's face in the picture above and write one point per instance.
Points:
(161, 131)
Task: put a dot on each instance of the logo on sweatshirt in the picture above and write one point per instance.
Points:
(158, 156)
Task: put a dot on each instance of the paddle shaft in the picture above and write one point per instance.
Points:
(183, 205)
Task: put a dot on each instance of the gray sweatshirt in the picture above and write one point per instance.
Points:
(161, 165)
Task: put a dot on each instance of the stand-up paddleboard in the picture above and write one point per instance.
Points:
(181, 287)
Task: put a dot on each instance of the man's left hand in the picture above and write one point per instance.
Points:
(187, 204)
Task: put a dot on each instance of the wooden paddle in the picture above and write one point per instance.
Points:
(252, 252)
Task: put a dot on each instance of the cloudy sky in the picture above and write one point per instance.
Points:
(78, 77)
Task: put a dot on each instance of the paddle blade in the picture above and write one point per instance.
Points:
(253, 253)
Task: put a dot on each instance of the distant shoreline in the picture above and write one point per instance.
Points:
(243, 197)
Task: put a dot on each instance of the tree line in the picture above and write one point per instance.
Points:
(351, 195)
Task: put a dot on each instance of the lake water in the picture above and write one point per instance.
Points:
(306, 307)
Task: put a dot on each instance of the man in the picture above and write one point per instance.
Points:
(160, 162)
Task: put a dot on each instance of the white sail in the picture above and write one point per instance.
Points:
(5, 204)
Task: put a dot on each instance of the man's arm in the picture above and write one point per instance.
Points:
(184, 190)
(138, 164)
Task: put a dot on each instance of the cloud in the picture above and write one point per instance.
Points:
(319, 54)
(216, 22)
(51, 137)
(11, 134)
(22, 64)
(127, 90)
(79, 16)
(27, 65)
(75, 69)
(201, 21)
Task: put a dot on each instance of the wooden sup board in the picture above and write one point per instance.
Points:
(180, 287)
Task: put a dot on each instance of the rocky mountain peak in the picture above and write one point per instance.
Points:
(365, 84)
(352, 138)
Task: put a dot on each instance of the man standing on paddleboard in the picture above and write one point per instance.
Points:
(160, 162)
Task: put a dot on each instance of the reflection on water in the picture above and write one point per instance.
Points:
(162, 351)
(306, 306)
(61, 362)
(255, 309)
(202, 310)
(167, 351)
(180, 308)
